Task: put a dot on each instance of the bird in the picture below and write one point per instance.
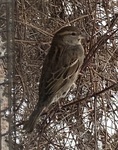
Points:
(60, 70)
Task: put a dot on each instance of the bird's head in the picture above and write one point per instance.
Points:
(69, 35)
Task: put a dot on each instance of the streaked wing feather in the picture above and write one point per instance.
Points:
(61, 71)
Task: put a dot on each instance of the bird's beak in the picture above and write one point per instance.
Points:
(82, 36)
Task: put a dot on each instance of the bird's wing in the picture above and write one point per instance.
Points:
(60, 65)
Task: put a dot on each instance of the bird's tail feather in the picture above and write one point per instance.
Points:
(29, 125)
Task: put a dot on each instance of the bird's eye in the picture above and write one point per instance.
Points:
(73, 33)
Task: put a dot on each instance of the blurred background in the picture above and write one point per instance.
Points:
(87, 119)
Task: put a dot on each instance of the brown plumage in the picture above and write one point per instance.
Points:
(60, 70)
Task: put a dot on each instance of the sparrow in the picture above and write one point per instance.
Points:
(60, 70)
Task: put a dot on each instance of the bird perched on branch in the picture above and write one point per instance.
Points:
(60, 70)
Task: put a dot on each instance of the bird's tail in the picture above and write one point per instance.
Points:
(29, 125)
